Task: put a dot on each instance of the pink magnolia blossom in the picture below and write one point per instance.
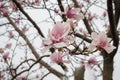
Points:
(92, 60)
(11, 35)
(22, 78)
(104, 14)
(24, 29)
(3, 9)
(1, 75)
(13, 7)
(101, 41)
(5, 55)
(74, 13)
(57, 57)
(59, 32)
(58, 36)
(37, 2)
(8, 45)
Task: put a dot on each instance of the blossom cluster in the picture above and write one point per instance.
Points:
(99, 42)
(59, 38)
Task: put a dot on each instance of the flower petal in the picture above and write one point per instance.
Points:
(59, 45)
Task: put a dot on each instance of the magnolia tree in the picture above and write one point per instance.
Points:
(63, 39)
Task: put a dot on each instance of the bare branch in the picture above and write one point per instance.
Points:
(28, 17)
(112, 25)
(45, 76)
(117, 11)
(83, 37)
(4, 24)
(79, 73)
(29, 67)
(62, 10)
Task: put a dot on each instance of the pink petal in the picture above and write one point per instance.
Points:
(60, 45)
(66, 30)
(103, 35)
(92, 60)
(91, 47)
(5, 55)
(47, 42)
(58, 57)
(72, 12)
(8, 45)
(57, 31)
(109, 48)
(94, 36)
(75, 10)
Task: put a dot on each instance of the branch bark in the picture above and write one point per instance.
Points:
(28, 17)
(62, 10)
(83, 37)
(79, 73)
(117, 11)
(108, 58)
(113, 27)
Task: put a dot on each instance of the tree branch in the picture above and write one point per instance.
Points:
(79, 73)
(113, 27)
(117, 11)
(4, 24)
(108, 58)
(62, 10)
(29, 67)
(28, 17)
(83, 37)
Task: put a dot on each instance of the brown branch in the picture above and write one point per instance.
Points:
(83, 37)
(108, 58)
(117, 11)
(62, 10)
(24, 62)
(87, 25)
(113, 28)
(45, 76)
(55, 72)
(29, 67)
(28, 17)
(79, 73)
(4, 24)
